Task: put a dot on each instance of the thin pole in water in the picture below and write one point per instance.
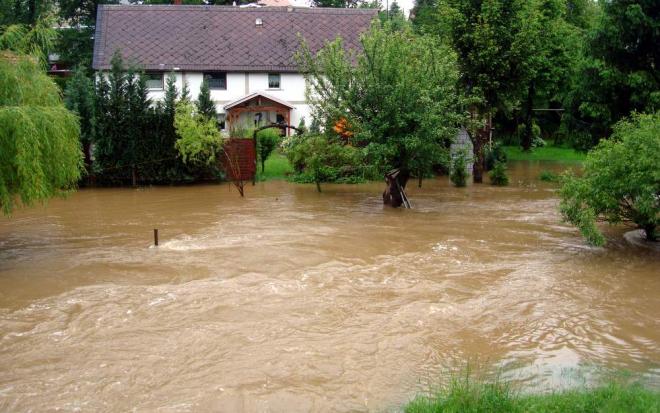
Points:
(156, 237)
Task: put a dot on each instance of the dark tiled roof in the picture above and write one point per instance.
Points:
(218, 37)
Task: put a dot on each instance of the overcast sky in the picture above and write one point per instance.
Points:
(406, 5)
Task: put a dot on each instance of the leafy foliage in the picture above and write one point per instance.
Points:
(267, 141)
(317, 159)
(621, 181)
(200, 140)
(458, 174)
(39, 149)
(37, 40)
(400, 115)
(498, 174)
(618, 73)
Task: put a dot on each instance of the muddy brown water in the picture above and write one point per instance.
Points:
(290, 300)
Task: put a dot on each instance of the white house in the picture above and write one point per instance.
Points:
(246, 54)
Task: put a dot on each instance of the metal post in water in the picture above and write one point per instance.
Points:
(156, 237)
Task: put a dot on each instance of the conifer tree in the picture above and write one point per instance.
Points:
(205, 105)
(185, 92)
(79, 98)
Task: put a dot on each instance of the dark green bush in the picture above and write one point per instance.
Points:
(458, 175)
(317, 159)
(548, 176)
(495, 154)
(498, 175)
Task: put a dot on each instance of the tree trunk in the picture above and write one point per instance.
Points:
(529, 106)
(396, 182)
(478, 144)
(134, 176)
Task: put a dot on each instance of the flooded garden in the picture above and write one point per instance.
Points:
(293, 300)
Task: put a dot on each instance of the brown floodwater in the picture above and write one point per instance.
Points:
(290, 300)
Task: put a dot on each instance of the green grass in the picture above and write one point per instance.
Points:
(277, 167)
(464, 394)
(546, 153)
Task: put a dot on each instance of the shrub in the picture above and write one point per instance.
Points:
(320, 159)
(537, 141)
(548, 176)
(199, 139)
(458, 175)
(621, 181)
(495, 154)
(498, 175)
(267, 141)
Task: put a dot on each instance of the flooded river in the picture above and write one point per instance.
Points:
(290, 300)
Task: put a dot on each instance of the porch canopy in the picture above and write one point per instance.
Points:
(258, 107)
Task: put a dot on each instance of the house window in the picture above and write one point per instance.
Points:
(273, 80)
(154, 81)
(216, 80)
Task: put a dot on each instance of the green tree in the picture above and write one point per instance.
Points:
(619, 73)
(79, 98)
(111, 137)
(401, 115)
(267, 141)
(302, 127)
(40, 154)
(199, 138)
(77, 41)
(484, 34)
(548, 47)
(621, 181)
(36, 40)
(205, 105)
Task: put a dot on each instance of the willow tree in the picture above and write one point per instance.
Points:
(396, 99)
(40, 154)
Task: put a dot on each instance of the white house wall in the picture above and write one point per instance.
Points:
(239, 84)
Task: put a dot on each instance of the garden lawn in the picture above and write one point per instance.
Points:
(546, 153)
(277, 167)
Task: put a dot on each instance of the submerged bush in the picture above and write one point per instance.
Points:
(495, 154)
(548, 176)
(458, 175)
(317, 159)
(498, 175)
(621, 181)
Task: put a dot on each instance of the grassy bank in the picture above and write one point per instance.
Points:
(277, 167)
(468, 395)
(546, 153)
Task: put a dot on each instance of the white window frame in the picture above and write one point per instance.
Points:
(162, 80)
(279, 81)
